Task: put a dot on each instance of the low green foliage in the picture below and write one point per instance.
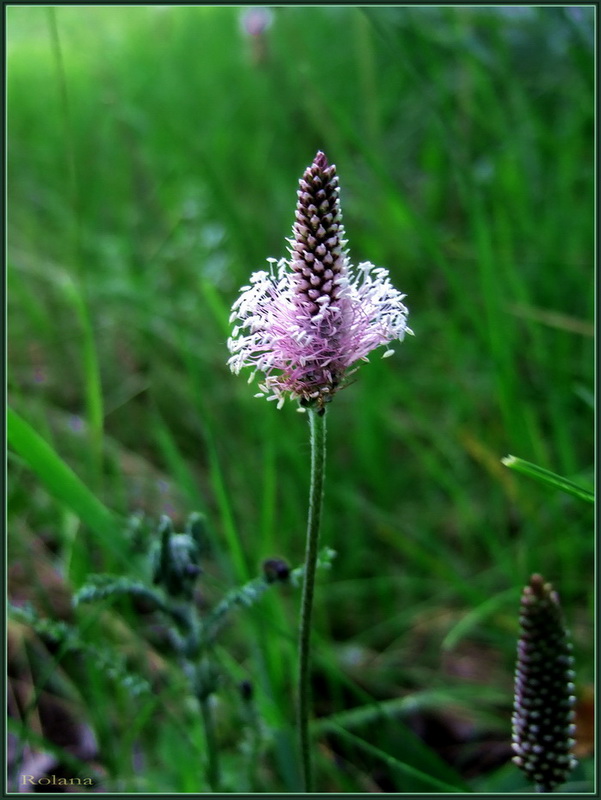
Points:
(153, 159)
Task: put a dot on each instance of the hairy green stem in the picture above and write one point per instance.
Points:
(317, 421)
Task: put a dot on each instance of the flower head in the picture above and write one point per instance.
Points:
(543, 715)
(304, 322)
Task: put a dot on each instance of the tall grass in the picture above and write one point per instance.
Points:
(153, 159)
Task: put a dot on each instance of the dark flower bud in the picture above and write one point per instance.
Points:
(543, 697)
(192, 570)
(275, 569)
(246, 690)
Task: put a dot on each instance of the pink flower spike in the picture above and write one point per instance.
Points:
(307, 320)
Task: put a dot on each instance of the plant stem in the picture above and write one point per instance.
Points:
(198, 667)
(211, 743)
(317, 421)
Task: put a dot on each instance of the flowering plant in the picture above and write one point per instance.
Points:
(303, 324)
(308, 319)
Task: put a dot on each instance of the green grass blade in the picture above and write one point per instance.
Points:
(549, 478)
(93, 384)
(62, 483)
(401, 766)
(476, 616)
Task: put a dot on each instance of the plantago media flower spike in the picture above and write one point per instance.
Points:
(309, 318)
(543, 717)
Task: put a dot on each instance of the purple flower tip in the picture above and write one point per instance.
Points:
(320, 161)
(308, 319)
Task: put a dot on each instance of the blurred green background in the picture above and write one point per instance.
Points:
(153, 160)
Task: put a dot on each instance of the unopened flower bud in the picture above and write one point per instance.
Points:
(196, 527)
(176, 564)
(275, 569)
